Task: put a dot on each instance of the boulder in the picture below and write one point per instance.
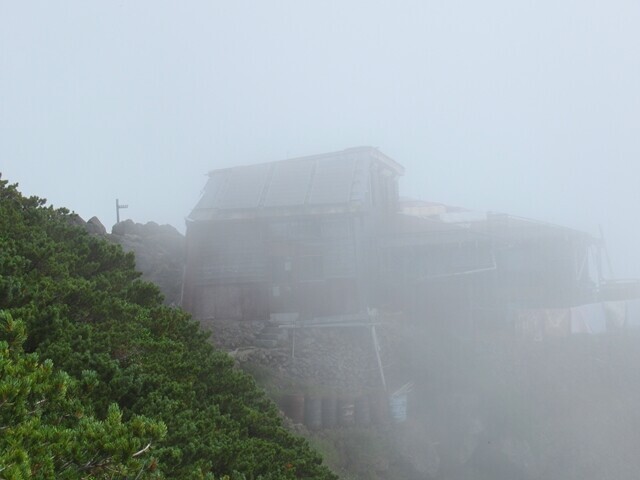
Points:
(159, 252)
(95, 227)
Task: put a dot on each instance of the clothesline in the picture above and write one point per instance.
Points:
(591, 319)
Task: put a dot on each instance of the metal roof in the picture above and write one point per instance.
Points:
(289, 184)
(332, 179)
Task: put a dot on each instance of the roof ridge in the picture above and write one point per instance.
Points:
(322, 156)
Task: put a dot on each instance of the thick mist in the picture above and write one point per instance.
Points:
(449, 316)
(527, 108)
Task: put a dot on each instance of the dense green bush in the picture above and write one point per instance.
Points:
(86, 309)
(46, 431)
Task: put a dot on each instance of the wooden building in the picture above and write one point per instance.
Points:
(295, 235)
(327, 235)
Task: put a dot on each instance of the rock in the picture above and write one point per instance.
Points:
(95, 227)
(76, 220)
(159, 252)
(124, 227)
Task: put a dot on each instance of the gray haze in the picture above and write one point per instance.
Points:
(530, 108)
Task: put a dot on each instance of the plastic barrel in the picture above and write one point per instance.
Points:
(329, 411)
(293, 406)
(362, 412)
(378, 408)
(313, 412)
(346, 409)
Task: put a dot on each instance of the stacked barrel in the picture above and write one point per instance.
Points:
(330, 410)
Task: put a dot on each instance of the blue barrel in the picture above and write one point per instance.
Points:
(398, 407)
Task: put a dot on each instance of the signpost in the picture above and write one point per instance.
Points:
(118, 207)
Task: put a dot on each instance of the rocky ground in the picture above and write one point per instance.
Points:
(338, 359)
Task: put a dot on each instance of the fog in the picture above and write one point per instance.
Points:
(529, 108)
(525, 108)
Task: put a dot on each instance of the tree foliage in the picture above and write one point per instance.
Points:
(87, 310)
(46, 431)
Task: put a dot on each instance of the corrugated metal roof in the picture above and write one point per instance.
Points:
(332, 182)
(333, 179)
(244, 187)
(289, 184)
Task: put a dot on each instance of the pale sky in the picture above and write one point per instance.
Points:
(524, 107)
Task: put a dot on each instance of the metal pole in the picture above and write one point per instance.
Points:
(376, 349)
(118, 207)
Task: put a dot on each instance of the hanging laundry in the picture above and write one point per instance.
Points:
(557, 322)
(578, 321)
(616, 315)
(588, 318)
(531, 324)
(633, 314)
